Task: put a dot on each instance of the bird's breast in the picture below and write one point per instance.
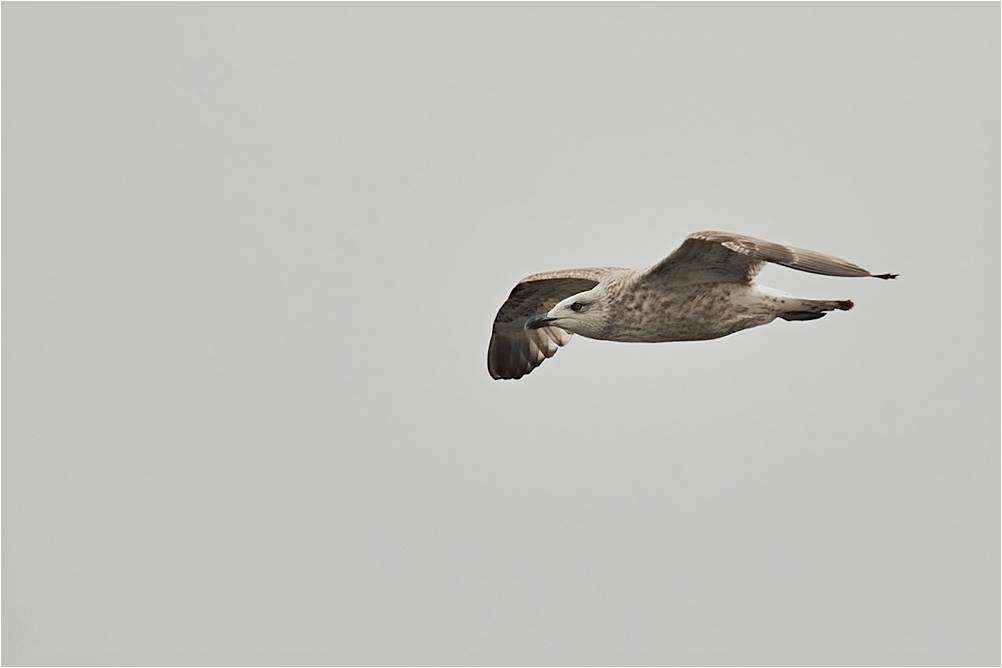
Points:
(682, 313)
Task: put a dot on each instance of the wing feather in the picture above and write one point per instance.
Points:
(515, 351)
(722, 257)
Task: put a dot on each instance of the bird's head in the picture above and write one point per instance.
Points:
(585, 313)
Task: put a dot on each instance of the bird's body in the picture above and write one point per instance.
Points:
(704, 290)
(646, 314)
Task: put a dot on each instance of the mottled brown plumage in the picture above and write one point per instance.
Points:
(704, 290)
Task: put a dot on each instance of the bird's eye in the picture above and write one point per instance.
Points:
(577, 306)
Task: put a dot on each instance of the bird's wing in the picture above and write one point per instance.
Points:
(515, 351)
(722, 257)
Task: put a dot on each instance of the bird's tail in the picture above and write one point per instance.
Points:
(812, 309)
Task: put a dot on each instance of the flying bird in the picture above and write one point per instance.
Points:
(703, 290)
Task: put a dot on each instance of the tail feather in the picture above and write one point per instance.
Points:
(814, 309)
(802, 315)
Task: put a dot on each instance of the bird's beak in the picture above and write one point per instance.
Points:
(537, 321)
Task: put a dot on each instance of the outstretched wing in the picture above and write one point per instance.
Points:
(722, 257)
(515, 351)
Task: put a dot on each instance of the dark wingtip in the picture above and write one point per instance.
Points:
(884, 276)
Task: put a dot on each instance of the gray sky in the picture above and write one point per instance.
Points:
(251, 256)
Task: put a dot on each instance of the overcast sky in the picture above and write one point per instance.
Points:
(251, 257)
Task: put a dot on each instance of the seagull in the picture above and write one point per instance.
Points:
(703, 290)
